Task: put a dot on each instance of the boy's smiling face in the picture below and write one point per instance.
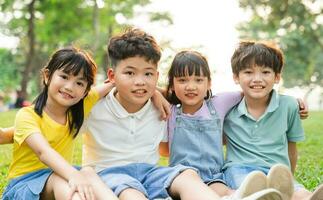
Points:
(257, 82)
(135, 80)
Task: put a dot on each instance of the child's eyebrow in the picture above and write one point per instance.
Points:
(134, 68)
(82, 78)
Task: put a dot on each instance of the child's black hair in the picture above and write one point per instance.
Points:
(262, 54)
(134, 42)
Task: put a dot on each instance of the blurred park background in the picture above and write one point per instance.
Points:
(30, 30)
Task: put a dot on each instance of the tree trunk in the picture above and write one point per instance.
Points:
(106, 58)
(96, 26)
(30, 55)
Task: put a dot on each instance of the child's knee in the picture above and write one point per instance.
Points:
(191, 173)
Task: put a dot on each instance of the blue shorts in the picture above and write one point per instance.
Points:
(153, 181)
(28, 186)
(217, 178)
(235, 174)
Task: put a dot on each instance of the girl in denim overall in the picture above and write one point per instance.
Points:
(195, 125)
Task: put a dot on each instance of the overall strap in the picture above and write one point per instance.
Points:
(211, 108)
(178, 109)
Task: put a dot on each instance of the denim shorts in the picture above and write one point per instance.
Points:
(235, 174)
(153, 181)
(28, 186)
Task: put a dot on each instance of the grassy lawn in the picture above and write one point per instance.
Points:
(310, 164)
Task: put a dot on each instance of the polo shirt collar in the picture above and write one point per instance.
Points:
(120, 111)
(273, 105)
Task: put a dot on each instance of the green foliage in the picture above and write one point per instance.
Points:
(297, 26)
(9, 76)
(85, 24)
(309, 166)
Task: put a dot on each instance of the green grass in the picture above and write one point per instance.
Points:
(309, 169)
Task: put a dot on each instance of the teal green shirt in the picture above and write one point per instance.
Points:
(262, 142)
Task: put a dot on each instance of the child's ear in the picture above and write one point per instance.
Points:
(111, 75)
(235, 78)
(209, 84)
(45, 74)
(277, 78)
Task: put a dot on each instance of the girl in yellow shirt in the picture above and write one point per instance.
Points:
(44, 134)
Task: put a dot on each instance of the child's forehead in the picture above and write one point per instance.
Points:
(78, 74)
(255, 66)
(137, 62)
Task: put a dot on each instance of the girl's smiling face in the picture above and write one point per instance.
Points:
(65, 89)
(191, 91)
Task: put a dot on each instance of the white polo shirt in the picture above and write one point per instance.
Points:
(114, 137)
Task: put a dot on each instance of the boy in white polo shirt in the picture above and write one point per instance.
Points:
(123, 131)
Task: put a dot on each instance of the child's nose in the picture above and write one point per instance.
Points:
(139, 80)
(190, 86)
(69, 85)
(257, 77)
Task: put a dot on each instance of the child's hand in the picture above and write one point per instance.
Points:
(6, 135)
(161, 104)
(78, 183)
(303, 108)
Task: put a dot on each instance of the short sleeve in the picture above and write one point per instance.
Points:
(295, 130)
(26, 123)
(224, 102)
(90, 100)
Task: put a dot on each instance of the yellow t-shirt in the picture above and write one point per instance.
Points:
(58, 136)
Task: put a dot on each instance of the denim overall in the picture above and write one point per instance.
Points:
(198, 143)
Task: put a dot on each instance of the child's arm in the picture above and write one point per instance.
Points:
(6, 135)
(161, 104)
(163, 149)
(303, 108)
(292, 154)
(59, 165)
(104, 89)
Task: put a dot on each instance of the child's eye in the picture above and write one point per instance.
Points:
(63, 76)
(181, 80)
(130, 73)
(200, 80)
(247, 72)
(80, 84)
(266, 72)
(149, 74)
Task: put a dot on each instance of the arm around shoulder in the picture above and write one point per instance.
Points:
(6, 135)
(104, 89)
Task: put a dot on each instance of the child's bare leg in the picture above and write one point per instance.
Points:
(221, 189)
(301, 194)
(57, 188)
(189, 186)
(101, 190)
(132, 194)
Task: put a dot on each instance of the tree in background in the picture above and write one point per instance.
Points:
(9, 71)
(43, 26)
(297, 26)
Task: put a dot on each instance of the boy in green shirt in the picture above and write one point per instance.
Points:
(262, 130)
